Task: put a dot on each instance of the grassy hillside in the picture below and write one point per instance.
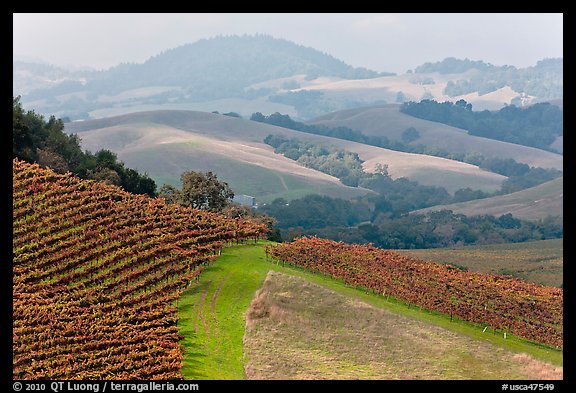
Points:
(531, 204)
(541, 262)
(96, 274)
(206, 138)
(299, 330)
(305, 325)
(388, 121)
(164, 147)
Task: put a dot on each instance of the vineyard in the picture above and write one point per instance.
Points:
(97, 273)
(502, 303)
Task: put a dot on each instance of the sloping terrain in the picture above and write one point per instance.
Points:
(251, 318)
(96, 273)
(546, 199)
(166, 143)
(500, 303)
(299, 330)
(540, 261)
(387, 120)
(247, 73)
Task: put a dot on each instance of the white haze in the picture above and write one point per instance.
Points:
(382, 42)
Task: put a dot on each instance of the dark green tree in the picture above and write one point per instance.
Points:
(203, 190)
(410, 134)
(169, 193)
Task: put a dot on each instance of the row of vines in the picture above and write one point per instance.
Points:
(97, 273)
(531, 311)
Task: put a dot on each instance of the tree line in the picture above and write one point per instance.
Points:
(520, 176)
(537, 125)
(37, 140)
(370, 220)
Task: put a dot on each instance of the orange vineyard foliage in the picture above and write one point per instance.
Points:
(97, 273)
(531, 311)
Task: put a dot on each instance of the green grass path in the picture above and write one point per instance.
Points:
(212, 314)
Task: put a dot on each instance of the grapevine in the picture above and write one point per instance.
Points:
(528, 310)
(97, 273)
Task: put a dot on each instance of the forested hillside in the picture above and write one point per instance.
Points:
(543, 80)
(208, 69)
(537, 125)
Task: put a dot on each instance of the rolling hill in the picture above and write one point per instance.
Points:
(245, 74)
(166, 143)
(486, 86)
(535, 203)
(387, 120)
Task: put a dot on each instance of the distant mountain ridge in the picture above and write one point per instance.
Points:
(28, 76)
(218, 67)
(260, 73)
(543, 80)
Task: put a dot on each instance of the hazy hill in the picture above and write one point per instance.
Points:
(246, 74)
(166, 143)
(209, 69)
(28, 76)
(543, 80)
(484, 85)
(387, 120)
(531, 204)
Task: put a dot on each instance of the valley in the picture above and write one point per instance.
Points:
(242, 207)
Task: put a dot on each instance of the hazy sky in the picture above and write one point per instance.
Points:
(382, 42)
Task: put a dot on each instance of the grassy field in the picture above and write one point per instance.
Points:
(530, 204)
(212, 314)
(213, 321)
(540, 261)
(300, 330)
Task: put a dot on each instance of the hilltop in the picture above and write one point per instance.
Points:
(223, 67)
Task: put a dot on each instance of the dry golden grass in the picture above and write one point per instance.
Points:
(299, 330)
(538, 369)
(541, 261)
(242, 141)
